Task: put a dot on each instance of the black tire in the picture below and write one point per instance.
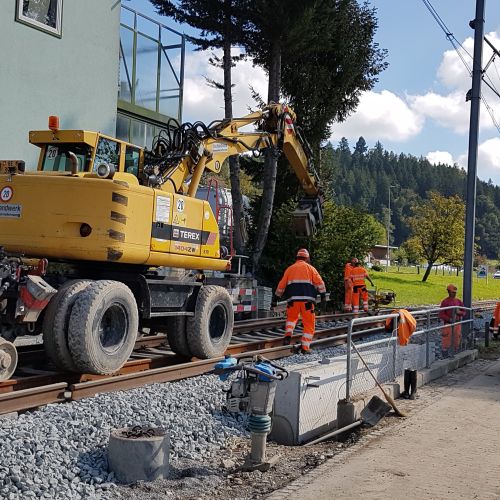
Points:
(209, 330)
(103, 327)
(55, 324)
(177, 335)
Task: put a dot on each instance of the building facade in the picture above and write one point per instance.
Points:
(95, 64)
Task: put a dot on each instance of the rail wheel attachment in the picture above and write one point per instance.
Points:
(103, 327)
(8, 359)
(209, 330)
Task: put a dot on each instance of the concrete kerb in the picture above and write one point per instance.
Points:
(349, 412)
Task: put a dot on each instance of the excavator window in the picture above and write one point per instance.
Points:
(107, 151)
(132, 157)
(56, 159)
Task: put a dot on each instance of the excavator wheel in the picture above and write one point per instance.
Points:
(210, 329)
(55, 323)
(177, 335)
(103, 327)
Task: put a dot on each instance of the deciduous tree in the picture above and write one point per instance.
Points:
(438, 232)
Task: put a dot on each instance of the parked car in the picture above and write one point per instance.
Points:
(496, 276)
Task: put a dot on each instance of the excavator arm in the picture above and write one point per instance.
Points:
(182, 153)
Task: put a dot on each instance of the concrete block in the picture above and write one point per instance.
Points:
(346, 413)
(393, 389)
(138, 459)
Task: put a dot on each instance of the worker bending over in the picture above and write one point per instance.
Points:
(449, 316)
(300, 285)
(358, 276)
(347, 287)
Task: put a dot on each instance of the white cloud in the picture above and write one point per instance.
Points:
(437, 157)
(380, 115)
(202, 102)
(488, 160)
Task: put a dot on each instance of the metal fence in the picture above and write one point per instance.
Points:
(432, 340)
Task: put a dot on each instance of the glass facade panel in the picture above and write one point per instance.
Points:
(147, 27)
(123, 127)
(141, 133)
(153, 92)
(146, 73)
(126, 64)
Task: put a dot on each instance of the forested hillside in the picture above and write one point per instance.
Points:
(361, 177)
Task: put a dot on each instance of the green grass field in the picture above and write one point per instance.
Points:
(411, 291)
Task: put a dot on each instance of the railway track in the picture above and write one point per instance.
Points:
(36, 384)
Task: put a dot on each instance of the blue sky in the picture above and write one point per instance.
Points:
(418, 105)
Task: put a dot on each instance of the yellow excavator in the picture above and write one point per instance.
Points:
(116, 222)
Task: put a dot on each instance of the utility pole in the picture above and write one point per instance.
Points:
(474, 96)
(388, 255)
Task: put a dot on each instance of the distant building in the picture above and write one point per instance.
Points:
(378, 254)
(96, 64)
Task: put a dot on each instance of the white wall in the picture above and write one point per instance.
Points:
(75, 76)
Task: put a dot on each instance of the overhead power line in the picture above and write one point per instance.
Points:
(456, 44)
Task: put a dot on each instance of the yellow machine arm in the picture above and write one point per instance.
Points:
(182, 154)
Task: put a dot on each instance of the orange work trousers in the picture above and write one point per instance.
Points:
(357, 291)
(348, 296)
(304, 310)
(446, 337)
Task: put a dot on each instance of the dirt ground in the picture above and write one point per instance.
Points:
(448, 435)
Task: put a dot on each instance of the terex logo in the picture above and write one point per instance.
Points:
(189, 235)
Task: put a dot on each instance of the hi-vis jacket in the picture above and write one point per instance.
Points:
(358, 275)
(407, 324)
(301, 282)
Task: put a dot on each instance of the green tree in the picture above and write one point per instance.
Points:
(437, 226)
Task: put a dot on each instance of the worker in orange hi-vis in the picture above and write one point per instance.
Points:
(358, 276)
(300, 285)
(347, 287)
(495, 320)
(447, 316)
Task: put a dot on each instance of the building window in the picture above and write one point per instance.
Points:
(45, 15)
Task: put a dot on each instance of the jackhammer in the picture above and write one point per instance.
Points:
(253, 392)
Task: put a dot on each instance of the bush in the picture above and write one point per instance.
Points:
(377, 267)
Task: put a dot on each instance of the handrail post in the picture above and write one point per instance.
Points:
(394, 349)
(427, 341)
(486, 334)
(348, 367)
(452, 343)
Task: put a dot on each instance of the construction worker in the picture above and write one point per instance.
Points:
(449, 316)
(495, 321)
(358, 276)
(300, 285)
(347, 287)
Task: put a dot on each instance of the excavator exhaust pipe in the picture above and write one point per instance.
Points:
(307, 217)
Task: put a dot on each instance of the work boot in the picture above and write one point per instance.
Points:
(406, 393)
(287, 340)
(305, 351)
(413, 384)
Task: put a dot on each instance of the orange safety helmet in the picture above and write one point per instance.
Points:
(303, 253)
(451, 288)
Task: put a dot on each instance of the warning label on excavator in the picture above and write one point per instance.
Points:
(219, 147)
(10, 210)
(163, 209)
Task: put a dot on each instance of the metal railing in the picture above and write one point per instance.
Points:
(387, 359)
